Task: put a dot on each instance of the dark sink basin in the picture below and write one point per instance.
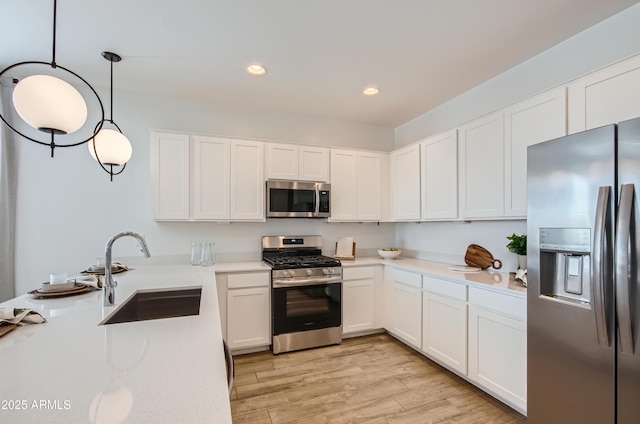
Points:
(157, 304)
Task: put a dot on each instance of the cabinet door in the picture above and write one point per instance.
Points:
(170, 176)
(369, 186)
(444, 330)
(406, 313)
(482, 167)
(247, 180)
(498, 355)
(605, 97)
(538, 119)
(210, 178)
(405, 183)
(357, 305)
(439, 173)
(313, 163)
(248, 317)
(281, 161)
(344, 185)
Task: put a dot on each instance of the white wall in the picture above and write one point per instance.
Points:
(67, 208)
(605, 43)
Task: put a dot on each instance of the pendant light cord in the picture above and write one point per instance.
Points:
(53, 53)
(111, 85)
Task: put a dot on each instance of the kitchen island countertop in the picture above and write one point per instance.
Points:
(72, 370)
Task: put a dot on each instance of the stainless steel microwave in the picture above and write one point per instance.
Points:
(298, 199)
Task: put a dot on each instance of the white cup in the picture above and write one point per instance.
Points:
(58, 278)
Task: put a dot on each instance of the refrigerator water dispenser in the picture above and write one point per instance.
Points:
(565, 265)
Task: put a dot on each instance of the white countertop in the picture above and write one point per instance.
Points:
(71, 370)
(487, 279)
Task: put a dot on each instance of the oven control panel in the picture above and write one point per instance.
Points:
(306, 273)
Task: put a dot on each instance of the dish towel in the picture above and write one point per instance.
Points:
(20, 316)
(89, 280)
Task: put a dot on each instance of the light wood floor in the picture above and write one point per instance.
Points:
(371, 379)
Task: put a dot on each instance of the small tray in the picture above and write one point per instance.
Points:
(6, 328)
(114, 270)
(78, 289)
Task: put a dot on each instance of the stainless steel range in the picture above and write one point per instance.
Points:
(306, 293)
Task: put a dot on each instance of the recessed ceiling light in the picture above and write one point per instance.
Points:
(370, 91)
(256, 69)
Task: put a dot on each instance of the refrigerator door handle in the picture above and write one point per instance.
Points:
(623, 234)
(598, 267)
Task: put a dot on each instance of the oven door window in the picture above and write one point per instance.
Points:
(288, 200)
(306, 308)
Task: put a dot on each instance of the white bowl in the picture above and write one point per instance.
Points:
(389, 254)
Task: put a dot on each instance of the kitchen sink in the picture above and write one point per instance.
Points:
(157, 304)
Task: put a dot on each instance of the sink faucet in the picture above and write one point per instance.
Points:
(109, 287)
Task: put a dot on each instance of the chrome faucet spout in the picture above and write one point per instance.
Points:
(109, 287)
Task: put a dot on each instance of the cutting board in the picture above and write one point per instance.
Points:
(480, 257)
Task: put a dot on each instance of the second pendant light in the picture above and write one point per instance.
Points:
(110, 148)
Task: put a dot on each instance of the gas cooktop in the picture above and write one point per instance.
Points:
(290, 252)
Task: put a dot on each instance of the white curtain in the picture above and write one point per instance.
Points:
(8, 193)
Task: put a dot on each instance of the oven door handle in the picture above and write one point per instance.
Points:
(279, 283)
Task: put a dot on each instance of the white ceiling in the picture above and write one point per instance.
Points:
(320, 54)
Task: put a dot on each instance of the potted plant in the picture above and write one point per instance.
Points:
(518, 245)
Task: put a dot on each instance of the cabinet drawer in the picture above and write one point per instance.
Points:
(248, 279)
(358, 273)
(498, 302)
(406, 277)
(445, 288)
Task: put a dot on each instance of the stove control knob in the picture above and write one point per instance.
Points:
(327, 271)
(309, 272)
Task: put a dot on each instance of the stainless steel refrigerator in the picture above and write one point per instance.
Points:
(583, 311)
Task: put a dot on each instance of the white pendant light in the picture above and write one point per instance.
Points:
(44, 101)
(50, 104)
(110, 148)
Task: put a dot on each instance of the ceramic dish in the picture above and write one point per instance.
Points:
(52, 288)
(389, 254)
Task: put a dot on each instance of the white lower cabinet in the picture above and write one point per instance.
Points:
(405, 314)
(498, 345)
(357, 299)
(248, 310)
(444, 323)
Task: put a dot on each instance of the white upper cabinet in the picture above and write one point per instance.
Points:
(439, 172)
(369, 186)
(206, 178)
(170, 176)
(313, 163)
(356, 185)
(481, 167)
(405, 183)
(247, 188)
(281, 161)
(210, 178)
(294, 162)
(605, 97)
(344, 185)
(529, 122)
